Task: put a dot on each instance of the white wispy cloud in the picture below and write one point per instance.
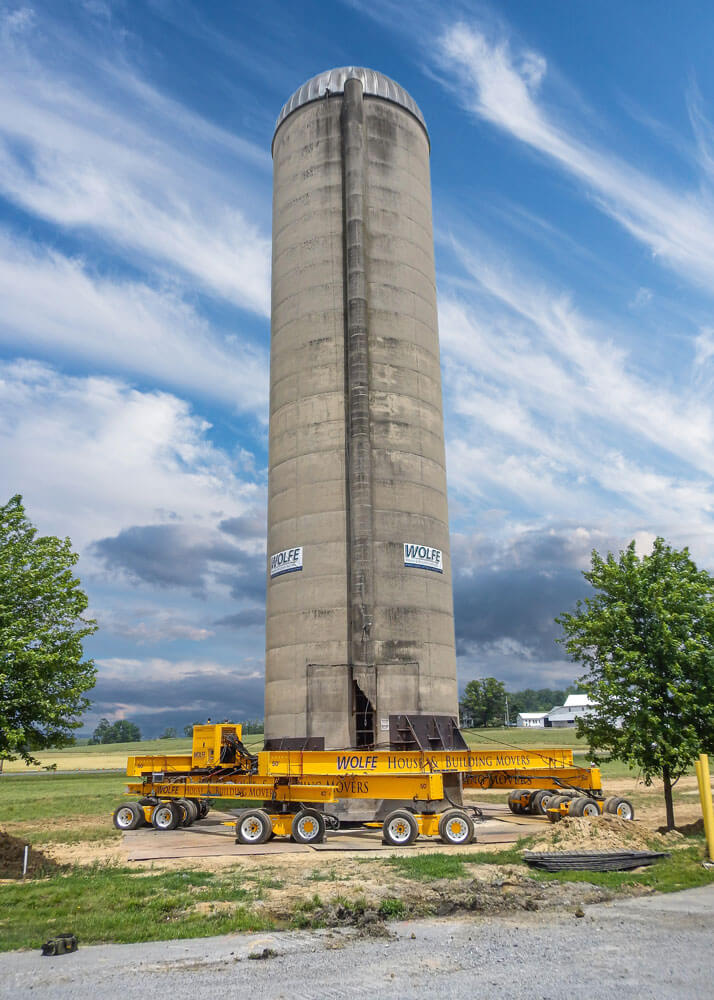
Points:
(549, 417)
(160, 185)
(501, 83)
(93, 456)
(53, 304)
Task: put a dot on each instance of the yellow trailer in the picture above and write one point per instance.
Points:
(295, 784)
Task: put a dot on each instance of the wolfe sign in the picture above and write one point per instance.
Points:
(423, 557)
(287, 561)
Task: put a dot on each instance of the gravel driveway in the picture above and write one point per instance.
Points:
(658, 946)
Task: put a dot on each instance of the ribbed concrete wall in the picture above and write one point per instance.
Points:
(354, 322)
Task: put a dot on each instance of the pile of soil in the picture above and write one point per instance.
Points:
(12, 851)
(602, 833)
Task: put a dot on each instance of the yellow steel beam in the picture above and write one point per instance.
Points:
(223, 790)
(426, 787)
(401, 762)
(315, 788)
(581, 777)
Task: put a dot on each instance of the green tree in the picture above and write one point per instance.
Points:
(43, 676)
(100, 733)
(121, 731)
(484, 702)
(124, 731)
(647, 639)
(168, 734)
(253, 726)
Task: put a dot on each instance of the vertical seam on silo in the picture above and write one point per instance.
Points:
(359, 447)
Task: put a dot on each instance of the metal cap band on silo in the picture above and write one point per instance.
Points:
(332, 81)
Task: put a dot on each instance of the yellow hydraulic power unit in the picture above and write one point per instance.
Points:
(289, 786)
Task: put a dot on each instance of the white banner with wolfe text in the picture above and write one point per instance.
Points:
(287, 561)
(423, 557)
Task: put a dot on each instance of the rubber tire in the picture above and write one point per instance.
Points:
(318, 834)
(627, 805)
(262, 821)
(191, 811)
(591, 809)
(609, 806)
(447, 818)
(137, 816)
(197, 803)
(576, 806)
(554, 801)
(527, 807)
(513, 805)
(204, 808)
(539, 801)
(408, 824)
(160, 811)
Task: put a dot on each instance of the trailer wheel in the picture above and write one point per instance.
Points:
(400, 829)
(456, 827)
(204, 807)
(253, 827)
(609, 805)
(624, 809)
(514, 801)
(189, 810)
(197, 806)
(553, 807)
(540, 800)
(583, 806)
(128, 816)
(308, 827)
(166, 816)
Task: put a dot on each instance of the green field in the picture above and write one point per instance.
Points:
(111, 756)
(515, 737)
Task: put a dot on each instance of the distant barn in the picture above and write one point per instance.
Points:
(560, 716)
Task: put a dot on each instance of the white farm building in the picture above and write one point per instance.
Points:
(531, 720)
(560, 716)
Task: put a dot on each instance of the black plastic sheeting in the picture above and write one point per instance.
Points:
(592, 861)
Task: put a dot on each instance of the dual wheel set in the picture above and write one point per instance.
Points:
(400, 828)
(556, 804)
(166, 815)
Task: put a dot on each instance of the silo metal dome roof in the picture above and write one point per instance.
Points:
(333, 80)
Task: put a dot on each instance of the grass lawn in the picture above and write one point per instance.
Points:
(121, 905)
(47, 808)
(682, 870)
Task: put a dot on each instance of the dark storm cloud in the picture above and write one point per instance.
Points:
(254, 526)
(517, 604)
(173, 555)
(508, 593)
(247, 618)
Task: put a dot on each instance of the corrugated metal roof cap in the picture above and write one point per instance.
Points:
(333, 80)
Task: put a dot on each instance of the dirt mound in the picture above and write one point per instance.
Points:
(12, 851)
(602, 833)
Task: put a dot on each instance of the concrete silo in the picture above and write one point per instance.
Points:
(359, 594)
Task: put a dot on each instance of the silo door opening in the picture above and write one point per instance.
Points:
(363, 712)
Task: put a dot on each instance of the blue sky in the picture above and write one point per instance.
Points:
(573, 191)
